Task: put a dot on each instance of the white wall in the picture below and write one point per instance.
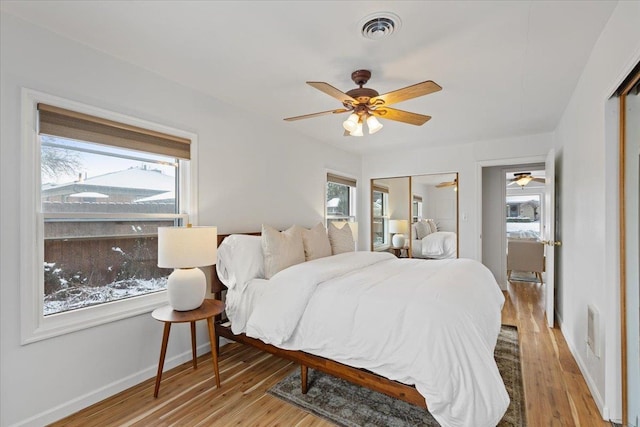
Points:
(441, 207)
(466, 160)
(493, 217)
(587, 160)
(245, 178)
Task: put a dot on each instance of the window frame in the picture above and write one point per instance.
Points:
(34, 326)
(384, 217)
(347, 180)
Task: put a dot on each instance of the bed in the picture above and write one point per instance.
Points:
(430, 243)
(420, 332)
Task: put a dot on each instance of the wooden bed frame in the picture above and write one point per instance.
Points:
(357, 376)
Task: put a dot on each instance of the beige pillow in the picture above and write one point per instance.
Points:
(281, 249)
(433, 225)
(341, 239)
(316, 243)
(422, 229)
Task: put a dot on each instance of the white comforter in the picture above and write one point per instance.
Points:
(438, 245)
(432, 324)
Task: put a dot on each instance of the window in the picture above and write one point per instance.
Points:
(416, 209)
(103, 187)
(380, 203)
(523, 216)
(340, 199)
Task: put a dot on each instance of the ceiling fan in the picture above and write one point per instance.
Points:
(366, 104)
(524, 178)
(453, 184)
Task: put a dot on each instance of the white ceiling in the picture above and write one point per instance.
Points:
(506, 67)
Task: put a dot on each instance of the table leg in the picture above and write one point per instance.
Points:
(214, 351)
(163, 352)
(303, 376)
(193, 345)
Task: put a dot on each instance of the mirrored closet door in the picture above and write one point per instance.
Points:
(415, 216)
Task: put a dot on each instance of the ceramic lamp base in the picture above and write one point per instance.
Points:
(186, 288)
(397, 240)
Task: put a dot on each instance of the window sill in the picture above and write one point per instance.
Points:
(41, 327)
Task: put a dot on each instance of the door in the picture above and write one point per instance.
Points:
(630, 104)
(549, 234)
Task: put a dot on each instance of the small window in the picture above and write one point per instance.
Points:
(340, 199)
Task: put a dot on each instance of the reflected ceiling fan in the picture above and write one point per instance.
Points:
(366, 104)
(445, 184)
(524, 178)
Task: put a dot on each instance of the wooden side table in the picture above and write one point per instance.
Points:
(208, 310)
(400, 252)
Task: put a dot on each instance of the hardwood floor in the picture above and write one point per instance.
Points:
(556, 393)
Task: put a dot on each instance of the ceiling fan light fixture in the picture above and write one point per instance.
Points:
(373, 124)
(351, 123)
(357, 131)
(522, 181)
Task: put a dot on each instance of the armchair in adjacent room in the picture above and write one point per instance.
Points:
(525, 255)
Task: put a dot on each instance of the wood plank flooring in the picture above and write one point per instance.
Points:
(556, 393)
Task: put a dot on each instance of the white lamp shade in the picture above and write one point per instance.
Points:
(400, 226)
(351, 123)
(373, 124)
(187, 247)
(357, 131)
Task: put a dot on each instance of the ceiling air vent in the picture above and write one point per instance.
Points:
(380, 25)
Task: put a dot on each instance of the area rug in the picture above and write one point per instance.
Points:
(523, 276)
(350, 405)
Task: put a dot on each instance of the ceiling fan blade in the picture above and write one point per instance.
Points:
(446, 184)
(401, 116)
(333, 92)
(542, 180)
(323, 113)
(512, 182)
(409, 92)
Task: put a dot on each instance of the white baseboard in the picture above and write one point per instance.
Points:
(56, 413)
(604, 411)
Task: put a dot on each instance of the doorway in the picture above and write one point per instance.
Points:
(496, 212)
(524, 207)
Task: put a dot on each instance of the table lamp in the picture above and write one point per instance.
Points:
(185, 249)
(398, 227)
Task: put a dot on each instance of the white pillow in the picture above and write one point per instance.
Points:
(240, 259)
(341, 239)
(316, 243)
(281, 249)
(422, 229)
(432, 224)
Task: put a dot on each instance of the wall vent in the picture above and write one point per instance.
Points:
(593, 328)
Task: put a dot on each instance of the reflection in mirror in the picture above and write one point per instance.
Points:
(390, 215)
(415, 216)
(434, 216)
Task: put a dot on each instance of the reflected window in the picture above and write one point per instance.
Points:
(380, 220)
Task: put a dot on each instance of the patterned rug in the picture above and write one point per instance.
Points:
(520, 276)
(349, 405)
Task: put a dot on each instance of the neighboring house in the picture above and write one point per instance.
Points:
(126, 187)
(523, 211)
